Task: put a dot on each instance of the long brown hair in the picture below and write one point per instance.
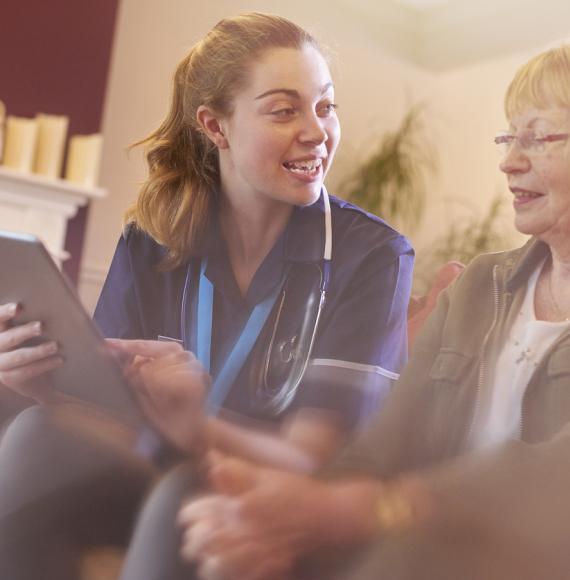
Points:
(176, 202)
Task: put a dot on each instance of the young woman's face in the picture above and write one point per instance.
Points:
(283, 131)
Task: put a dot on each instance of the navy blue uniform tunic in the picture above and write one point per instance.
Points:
(361, 341)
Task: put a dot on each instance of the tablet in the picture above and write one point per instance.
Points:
(30, 277)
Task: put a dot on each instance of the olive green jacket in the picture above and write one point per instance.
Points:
(428, 416)
(499, 515)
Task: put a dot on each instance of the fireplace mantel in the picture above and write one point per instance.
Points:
(42, 206)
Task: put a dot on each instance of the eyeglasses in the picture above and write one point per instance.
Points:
(528, 141)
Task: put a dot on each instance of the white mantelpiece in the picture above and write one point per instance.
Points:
(41, 206)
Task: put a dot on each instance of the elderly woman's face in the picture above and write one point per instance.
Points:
(537, 165)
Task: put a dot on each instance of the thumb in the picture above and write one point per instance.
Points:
(443, 278)
(231, 476)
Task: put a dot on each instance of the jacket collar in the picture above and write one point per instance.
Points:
(523, 261)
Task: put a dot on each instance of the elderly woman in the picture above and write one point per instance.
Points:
(465, 472)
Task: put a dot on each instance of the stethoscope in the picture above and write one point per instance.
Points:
(294, 352)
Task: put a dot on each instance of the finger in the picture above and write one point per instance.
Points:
(212, 568)
(178, 391)
(197, 540)
(157, 412)
(131, 375)
(248, 560)
(179, 380)
(12, 337)
(204, 507)
(119, 355)
(208, 539)
(7, 312)
(444, 276)
(183, 357)
(147, 348)
(232, 476)
(22, 357)
(134, 365)
(214, 532)
(23, 374)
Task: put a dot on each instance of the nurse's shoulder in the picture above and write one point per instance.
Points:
(143, 251)
(359, 233)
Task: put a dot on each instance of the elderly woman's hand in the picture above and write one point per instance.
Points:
(170, 384)
(23, 367)
(239, 533)
(262, 521)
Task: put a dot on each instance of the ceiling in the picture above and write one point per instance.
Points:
(443, 34)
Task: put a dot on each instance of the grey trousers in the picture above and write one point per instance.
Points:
(68, 480)
(154, 550)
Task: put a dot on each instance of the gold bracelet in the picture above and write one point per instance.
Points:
(398, 507)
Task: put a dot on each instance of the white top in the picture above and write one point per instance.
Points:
(498, 414)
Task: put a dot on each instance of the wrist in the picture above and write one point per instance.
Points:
(364, 509)
(211, 434)
(402, 505)
(353, 505)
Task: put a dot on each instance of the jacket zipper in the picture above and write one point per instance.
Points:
(483, 365)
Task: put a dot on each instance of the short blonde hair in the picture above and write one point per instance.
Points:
(176, 202)
(543, 82)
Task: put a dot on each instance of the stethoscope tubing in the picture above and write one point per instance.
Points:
(282, 399)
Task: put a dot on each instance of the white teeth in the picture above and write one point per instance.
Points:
(526, 194)
(307, 166)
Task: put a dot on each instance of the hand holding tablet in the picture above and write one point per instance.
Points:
(25, 358)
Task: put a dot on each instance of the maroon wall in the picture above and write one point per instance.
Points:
(54, 58)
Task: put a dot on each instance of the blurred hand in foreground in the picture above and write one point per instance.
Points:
(170, 384)
(260, 521)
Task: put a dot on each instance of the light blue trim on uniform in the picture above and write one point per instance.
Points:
(204, 322)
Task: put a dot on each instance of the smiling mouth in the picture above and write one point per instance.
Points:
(525, 195)
(305, 167)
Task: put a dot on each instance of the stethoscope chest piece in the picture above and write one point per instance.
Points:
(287, 349)
(283, 353)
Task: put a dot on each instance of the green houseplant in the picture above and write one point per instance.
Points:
(464, 239)
(392, 181)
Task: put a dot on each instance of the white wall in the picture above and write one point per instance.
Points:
(465, 113)
(374, 90)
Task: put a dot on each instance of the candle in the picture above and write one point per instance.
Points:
(2, 117)
(83, 159)
(52, 131)
(20, 147)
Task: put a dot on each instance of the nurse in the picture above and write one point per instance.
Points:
(227, 253)
(234, 223)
